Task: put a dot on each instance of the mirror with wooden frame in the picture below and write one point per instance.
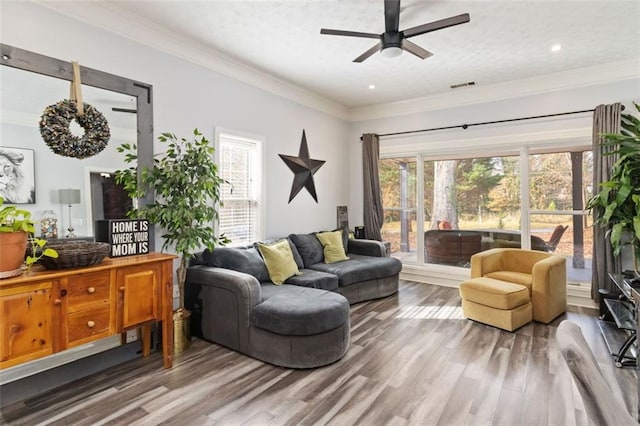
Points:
(30, 83)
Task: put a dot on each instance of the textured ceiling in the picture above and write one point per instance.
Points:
(505, 40)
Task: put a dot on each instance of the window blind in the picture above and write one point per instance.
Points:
(239, 217)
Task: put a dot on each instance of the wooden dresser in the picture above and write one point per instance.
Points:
(46, 312)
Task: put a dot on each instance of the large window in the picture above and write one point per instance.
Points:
(442, 211)
(560, 184)
(477, 197)
(240, 161)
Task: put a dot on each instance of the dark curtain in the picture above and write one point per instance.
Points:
(373, 213)
(606, 119)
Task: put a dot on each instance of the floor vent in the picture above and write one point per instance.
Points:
(468, 83)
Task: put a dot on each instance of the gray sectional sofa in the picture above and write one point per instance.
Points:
(302, 323)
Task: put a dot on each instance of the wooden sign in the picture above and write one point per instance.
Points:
(128, 237)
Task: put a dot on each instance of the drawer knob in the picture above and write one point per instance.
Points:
(91, 290)
(57, 302)
(121, 288)
(91, 324)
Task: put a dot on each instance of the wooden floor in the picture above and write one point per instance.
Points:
(413, 360)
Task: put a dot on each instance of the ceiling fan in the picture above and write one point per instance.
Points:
(392, 41)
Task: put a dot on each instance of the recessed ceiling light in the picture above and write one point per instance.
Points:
(556, 48)
(372, 86)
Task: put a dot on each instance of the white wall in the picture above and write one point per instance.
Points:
(186, 96)
(477, 140)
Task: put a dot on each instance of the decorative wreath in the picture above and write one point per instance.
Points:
(54, 128)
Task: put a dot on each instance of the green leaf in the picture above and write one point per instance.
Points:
(49, 252)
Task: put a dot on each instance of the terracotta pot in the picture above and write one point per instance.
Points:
(13, 246)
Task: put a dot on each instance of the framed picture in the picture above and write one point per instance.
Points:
(17, 176)
(342, 217)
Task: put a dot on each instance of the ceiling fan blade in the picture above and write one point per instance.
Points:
(415, 49)
(348, 33)
(368, 53)
(437, 25)
(391, 15)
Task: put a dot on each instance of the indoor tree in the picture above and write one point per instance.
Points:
(186, 185)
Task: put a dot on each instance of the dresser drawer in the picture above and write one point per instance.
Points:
(84, 326)
(87, 289)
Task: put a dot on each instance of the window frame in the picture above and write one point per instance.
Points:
(428, 148)
(259, 141)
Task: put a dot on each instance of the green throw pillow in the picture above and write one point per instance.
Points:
(332, 246)
(279, 260)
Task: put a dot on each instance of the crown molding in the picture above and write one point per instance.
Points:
(110, 17)
(563, 80)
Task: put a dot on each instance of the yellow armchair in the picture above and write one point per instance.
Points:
(544, 274)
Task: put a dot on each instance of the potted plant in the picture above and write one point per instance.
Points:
(619, 198)
(15, 228)
(186, 184)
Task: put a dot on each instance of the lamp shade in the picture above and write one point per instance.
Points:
(69, 196)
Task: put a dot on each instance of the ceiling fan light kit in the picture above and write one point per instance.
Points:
(391, 52)
(392, 41)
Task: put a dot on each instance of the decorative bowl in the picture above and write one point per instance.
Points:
(75, 254)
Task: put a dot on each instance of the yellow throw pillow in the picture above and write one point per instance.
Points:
(279, 260)
(332, 246)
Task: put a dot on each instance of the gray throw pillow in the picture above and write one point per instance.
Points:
(309, 248)
(246, 260)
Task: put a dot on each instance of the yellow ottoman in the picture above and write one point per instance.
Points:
(497, 303)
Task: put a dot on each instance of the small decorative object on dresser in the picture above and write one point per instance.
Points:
(69, 197)
(74, 253)
(15, 227)
(127, 237)
(48, 225)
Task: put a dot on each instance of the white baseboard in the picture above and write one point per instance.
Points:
(30, 368)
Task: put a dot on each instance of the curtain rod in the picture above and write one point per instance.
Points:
(466, 126)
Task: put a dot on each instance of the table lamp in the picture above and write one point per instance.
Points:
(69, 196)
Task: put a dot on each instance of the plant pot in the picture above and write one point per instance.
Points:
(181, 330)
(13, 246)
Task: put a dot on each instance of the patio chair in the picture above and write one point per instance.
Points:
(444, 225)
(555, 238)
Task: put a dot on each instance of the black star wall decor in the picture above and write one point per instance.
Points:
(303, 169)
